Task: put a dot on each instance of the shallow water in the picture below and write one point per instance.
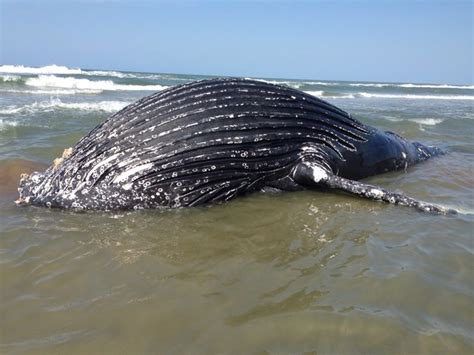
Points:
(268, 273)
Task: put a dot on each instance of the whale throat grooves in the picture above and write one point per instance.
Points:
(197, 143)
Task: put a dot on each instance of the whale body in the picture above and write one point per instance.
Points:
(212, 140)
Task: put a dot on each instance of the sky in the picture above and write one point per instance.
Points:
(395, 41)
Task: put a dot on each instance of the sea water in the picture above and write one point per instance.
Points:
(269, 273)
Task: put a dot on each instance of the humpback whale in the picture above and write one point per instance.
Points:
(213, 140)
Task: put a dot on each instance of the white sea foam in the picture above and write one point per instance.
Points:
(427, 121)
(10, 78)
(420, 121)
(293, 84)
(5, 124)
(59, 69)
(374, 85)
(52, 104)
(113, 73)
(318, 93)
(63, 70)
(439, 86)
(86, 84)
(395, 85)
(416, 97)
(51, 91)
(49, 69)
(323, 83)
(325, 95)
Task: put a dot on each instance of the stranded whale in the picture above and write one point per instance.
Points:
(213, 140)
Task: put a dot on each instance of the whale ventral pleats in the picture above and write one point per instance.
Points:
(210, 141)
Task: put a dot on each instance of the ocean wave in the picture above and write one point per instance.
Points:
(86, 84)
(298, 84)
(51, 91)
(394, 85)
(128, 75)
(293, 84)
(59, 69)
(10, 78)
(415, 97)
(54, 103)
(437, 86)
(318, 93)
(421, 121)
(48, 69)
(112, 73)
(327, 95)
(428, 121)
(63, 70)
(376, 85)
(5, 124)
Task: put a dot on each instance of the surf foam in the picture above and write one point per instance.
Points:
(325, 95)
(4, 124)
(51, 91)
(63, 70)
(48, 69)
(86, 84)
(52, 104)
(427, 121)
(10, 78)
(416, 97)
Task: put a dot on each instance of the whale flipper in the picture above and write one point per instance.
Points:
(378, 193)
(314, 175)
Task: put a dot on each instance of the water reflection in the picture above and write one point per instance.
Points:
(312, 263)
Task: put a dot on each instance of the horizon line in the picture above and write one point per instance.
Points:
(227, 75)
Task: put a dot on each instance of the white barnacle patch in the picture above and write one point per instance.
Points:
(404, 155)
(35, 178)
(127, 173)
(127, 186)
(376, 193)
(319, 174)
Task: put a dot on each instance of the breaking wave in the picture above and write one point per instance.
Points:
(421, 86)
(428, 121)
(5, 124)
(300, 83)
(10, 78)
(63, 70)
(416, 97)
(440, 86)
(86, 84)
(51, 91)
(49, 69)
(54, 103)
(327, 95)
(293, 84)
(420, 121)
